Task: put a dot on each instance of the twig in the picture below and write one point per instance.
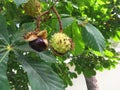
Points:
(39, 18)
(47, 12)
(58, 16)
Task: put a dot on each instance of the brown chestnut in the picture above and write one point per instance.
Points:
(37, 40)
(39, 44)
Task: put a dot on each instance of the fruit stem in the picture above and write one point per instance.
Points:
(58, 16)
(39, 18)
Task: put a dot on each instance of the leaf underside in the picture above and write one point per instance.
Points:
(40, 75)
(4, 83)
(93, 38)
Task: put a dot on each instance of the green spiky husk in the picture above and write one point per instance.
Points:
(60, 43)
(32, 7)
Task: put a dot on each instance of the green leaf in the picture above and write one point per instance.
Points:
(28, 26)
(93, 37)
(88, 72)
(3, 30)
(66, 22)
(77, 39)
(3, 56)
(19, 2)
(25, 28)
(4, 83)
(74, 32)
(109, 53)
(40, 75)
(73, 75)
(24, 47)
(47, 56)
(78, 68)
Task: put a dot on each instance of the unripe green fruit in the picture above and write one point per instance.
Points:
(60, 43)
(32, 7)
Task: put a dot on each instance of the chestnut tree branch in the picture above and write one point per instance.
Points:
(58, 16)
(39, 18)
(47, 12)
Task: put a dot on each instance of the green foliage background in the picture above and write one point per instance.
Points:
(92, 24)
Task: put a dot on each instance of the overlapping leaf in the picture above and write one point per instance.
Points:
(3, 30)
(4, 83)
(93, 37)
(19, 2)
(40, 75)
(77, 39)
(65, 22)
(26, 27)
(47, 56)
(4, 39)
(24, 47)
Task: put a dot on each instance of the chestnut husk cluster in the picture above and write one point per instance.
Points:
(59, 43)
(32, 8)
(37, 40)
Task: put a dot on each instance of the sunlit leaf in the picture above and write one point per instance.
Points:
(108, 53)
(77, 39)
